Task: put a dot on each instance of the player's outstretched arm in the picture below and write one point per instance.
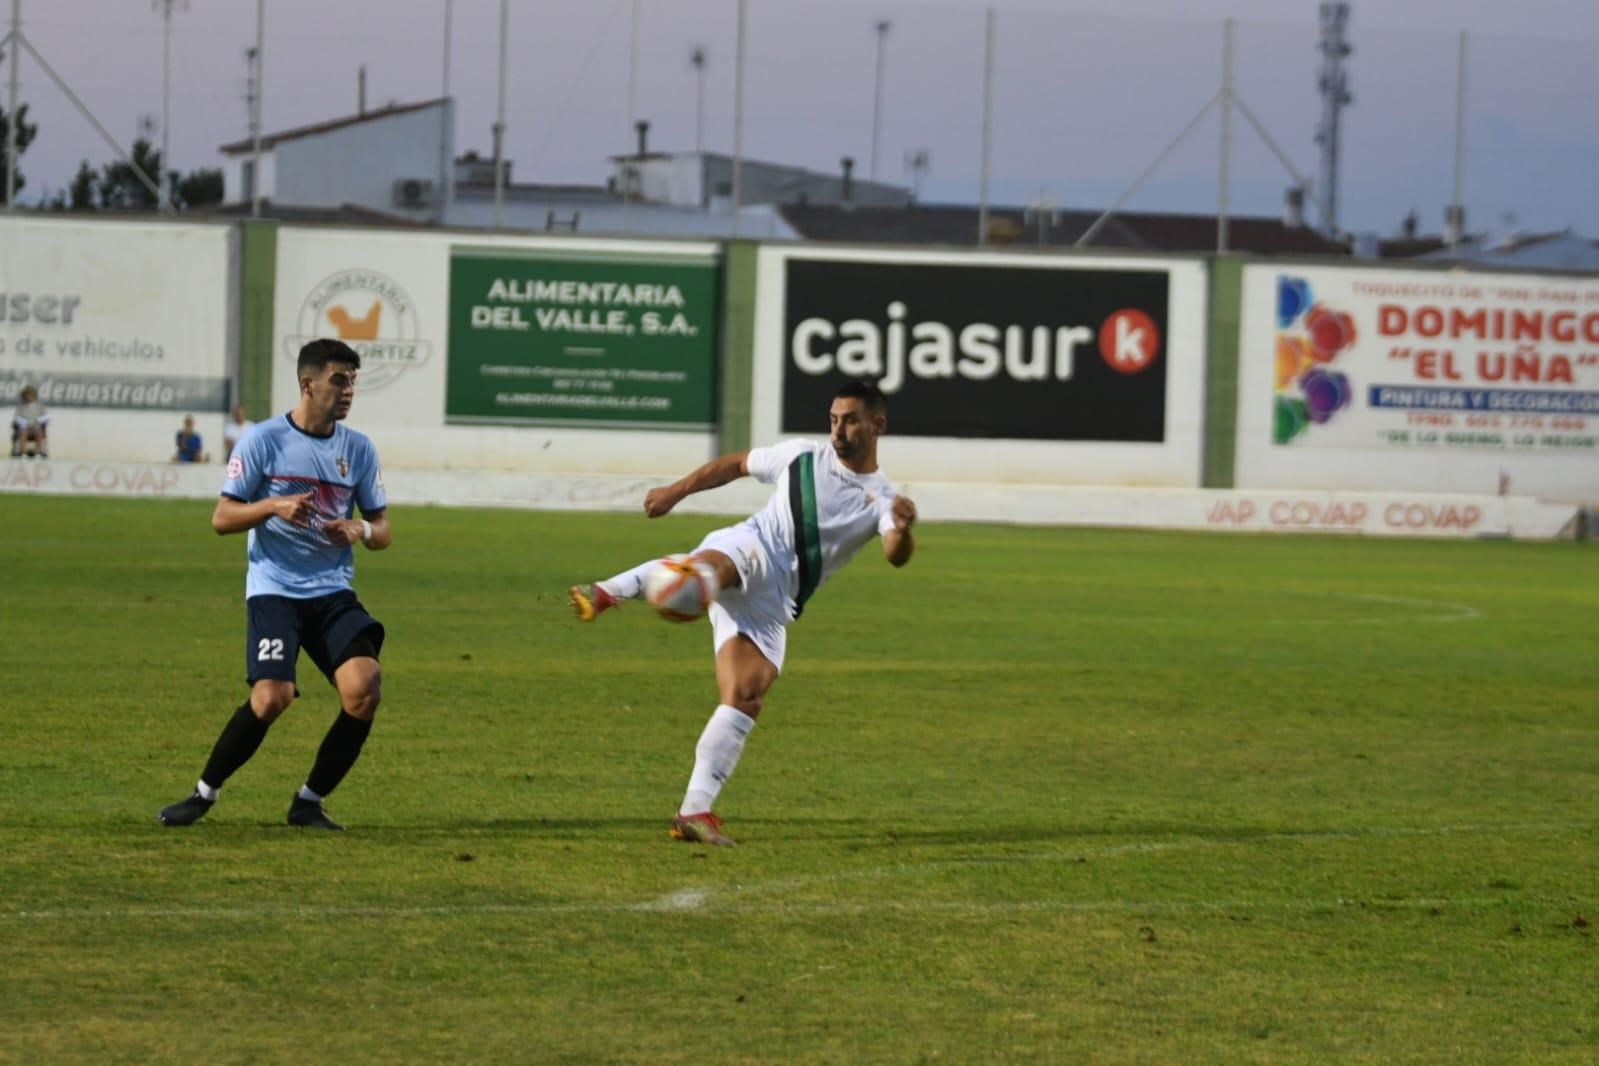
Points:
(236, 516)
(714, 474)
(898, 544)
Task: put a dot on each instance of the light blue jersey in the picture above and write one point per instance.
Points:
(278, 458)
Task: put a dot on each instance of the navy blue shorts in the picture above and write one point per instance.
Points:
(331, 629)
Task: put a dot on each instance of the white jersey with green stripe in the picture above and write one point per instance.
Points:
(821, 514)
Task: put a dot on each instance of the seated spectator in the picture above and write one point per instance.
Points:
(30, 426)
(234, 430)
(190, 447)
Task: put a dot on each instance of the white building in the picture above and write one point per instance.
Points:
(399, 160)
(395, 159)
(705, 180)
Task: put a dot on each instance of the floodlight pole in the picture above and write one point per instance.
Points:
(1455, 232)
(449, 6)
(697, 60)
(988, 124)
(628, 173)
(255, 116)
(738, 113)
(881, 28)
(12, 38)
(499, 121)
(166, 98)
(1226, 98)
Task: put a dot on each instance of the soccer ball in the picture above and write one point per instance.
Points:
(677, 589)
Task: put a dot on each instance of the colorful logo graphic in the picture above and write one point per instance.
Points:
(371, 313)
(1129, 341)
(1309, 337)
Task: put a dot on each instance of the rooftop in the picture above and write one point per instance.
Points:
(269, 140)
(956, 224)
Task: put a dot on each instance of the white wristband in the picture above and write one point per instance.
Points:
(366, 532)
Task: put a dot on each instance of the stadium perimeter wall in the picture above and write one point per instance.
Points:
(1386, 514)
(122, 326)
(1101, 390)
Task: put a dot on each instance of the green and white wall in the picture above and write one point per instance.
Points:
(1219, 392)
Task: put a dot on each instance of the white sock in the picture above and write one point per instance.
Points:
(207, 792)
(305, 793)
(629, 584)
(715, 757)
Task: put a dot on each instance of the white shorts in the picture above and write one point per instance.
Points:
(757, 608)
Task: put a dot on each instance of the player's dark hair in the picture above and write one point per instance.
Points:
(317, 354)
(870, 396)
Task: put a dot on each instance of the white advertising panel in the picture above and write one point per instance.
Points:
(1360, 379)
(388, 295)
(120, 327)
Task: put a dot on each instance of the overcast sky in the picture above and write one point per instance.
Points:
(1085, 99)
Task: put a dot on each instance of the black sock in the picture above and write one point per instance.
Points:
(340, 748)
(239, 739)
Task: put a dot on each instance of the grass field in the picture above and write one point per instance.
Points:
(1043, 796)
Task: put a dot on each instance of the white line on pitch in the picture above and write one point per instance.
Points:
(708, 898)
(1457, 612)
(887, 906)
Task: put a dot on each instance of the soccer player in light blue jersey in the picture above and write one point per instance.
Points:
(294, 483)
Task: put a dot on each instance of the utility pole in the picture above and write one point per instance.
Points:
(14, 39)
(1455, 217)
(630, 172)
(881, 28)
(738, 112)
(499, 121)
(1224, 178)
(449, 6)
(696, 60)
(166, 95)
(1335, 96)
(256, 88)
(988, 122)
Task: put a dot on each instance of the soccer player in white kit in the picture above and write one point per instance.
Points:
(830, 499)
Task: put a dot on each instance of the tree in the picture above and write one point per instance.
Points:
(200, 188)
(120, 187)
(80, 194)
(25, 135)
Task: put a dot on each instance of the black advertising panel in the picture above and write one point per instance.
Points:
(1024, 353)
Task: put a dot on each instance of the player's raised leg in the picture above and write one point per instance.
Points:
(743, 676)
(589, 601)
